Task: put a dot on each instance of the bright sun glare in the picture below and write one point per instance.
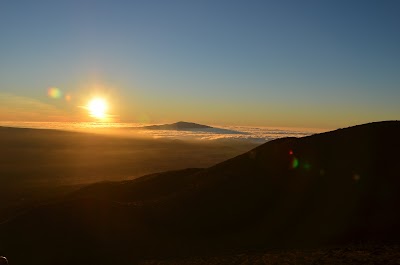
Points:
(97, 108)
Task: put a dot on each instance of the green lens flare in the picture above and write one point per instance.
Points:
(295, 162)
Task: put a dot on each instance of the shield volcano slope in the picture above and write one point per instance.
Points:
(331, 188)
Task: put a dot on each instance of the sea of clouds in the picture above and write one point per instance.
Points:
(244, 133)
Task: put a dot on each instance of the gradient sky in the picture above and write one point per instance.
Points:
(324, 64)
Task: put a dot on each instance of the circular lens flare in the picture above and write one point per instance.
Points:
(97, 108)
(54, 92)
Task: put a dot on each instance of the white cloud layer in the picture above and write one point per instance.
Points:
(253, 134)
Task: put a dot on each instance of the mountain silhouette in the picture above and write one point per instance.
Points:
(326, 189)
(190, 126)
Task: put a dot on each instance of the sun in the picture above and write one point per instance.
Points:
(97, 108)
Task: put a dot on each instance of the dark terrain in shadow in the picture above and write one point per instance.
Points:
(329, 189)
(356, 254)
(39, 165)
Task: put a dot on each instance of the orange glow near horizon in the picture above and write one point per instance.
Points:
(97, 108)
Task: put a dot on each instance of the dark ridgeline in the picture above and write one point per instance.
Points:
(190, 126)
(323, 190)
(180, 125)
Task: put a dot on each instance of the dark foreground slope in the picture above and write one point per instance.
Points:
(351, 255)
(328, 189)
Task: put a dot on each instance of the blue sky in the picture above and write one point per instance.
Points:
(268, 63)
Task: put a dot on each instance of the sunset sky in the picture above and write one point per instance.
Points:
(322, 64)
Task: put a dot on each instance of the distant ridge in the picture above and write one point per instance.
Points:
(190, 126)
(181, 125)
